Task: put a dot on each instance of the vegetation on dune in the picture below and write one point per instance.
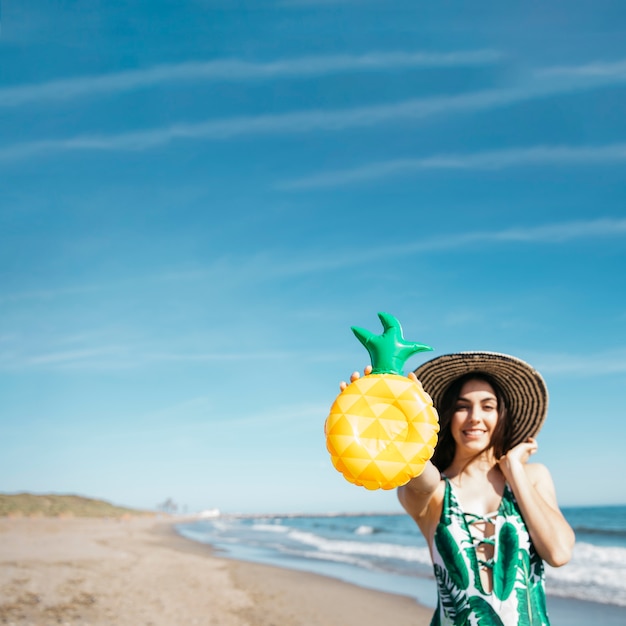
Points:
(52, 505)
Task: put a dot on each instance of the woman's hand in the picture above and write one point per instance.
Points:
(366, 372)
(519, 455)
(355, 376)
(534, 491)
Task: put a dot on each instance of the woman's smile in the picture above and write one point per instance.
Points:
(474, 432)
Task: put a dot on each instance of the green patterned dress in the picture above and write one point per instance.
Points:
(518, 596)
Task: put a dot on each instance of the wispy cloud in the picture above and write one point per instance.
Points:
(331, 120)
(314, 3)
(588, 230)
(275, 266)
(269, 266)
(540, 85)
(615, 70)
(589, 364)
(558, 78)
(77, 358)
(565, 231)
(48, 294)
(486, 160)
(235, 70)
(114, 358)
(111, 357)
(283, 123)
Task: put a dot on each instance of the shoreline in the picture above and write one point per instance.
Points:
(563, 611)
(113, 572)
(290, 596)
(142, 571)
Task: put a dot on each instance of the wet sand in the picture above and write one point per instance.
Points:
(139, 571)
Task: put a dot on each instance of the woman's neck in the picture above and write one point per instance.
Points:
(472, 464)
(479, 486)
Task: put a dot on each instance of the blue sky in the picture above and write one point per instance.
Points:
(199, 198)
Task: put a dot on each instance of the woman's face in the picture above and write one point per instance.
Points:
(475, 416)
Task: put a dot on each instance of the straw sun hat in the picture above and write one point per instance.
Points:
(522, 385)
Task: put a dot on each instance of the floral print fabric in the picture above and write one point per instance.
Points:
(518, 596)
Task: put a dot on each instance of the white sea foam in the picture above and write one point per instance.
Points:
(595, 573)
(272, 528)
(381, 550)
(334, 557)
(221, 525)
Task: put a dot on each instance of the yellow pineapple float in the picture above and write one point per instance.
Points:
(382, 428)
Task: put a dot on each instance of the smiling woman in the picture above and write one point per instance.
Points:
(490, 518)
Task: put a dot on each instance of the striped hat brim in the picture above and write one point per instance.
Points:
(522, 385)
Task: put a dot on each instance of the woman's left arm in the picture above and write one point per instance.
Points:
(534, 491)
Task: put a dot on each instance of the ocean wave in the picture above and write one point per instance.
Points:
(272, 528)
(610, 556)
(333, 557)
(380, 550)
(606, 532)
(594, 573)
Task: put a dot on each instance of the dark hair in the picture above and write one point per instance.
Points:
(446, 446)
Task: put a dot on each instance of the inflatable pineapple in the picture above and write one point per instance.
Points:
(382, 428)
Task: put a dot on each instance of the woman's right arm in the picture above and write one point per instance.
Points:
(417, 495)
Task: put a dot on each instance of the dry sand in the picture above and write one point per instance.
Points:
(139, 572)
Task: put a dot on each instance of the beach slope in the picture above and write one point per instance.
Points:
(139, 571)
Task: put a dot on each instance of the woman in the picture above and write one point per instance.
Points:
(489, 517)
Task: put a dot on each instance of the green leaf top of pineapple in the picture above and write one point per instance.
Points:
(389, 351)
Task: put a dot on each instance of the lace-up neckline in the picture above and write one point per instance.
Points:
(471, 520)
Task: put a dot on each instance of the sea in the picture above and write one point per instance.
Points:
(386, 552)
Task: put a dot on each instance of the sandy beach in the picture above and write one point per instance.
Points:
(138, 571)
